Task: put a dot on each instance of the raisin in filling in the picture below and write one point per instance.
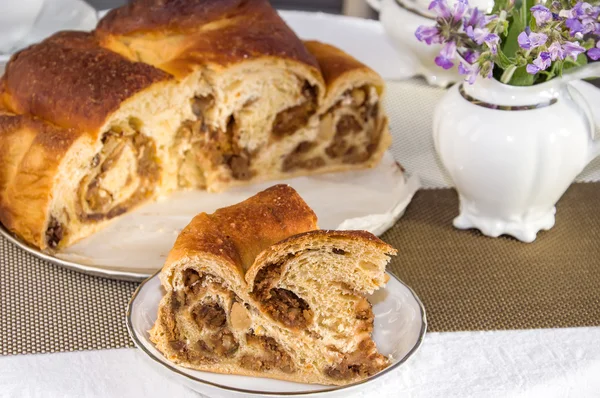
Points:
(54, 233)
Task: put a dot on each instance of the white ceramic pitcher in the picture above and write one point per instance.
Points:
(513, 151)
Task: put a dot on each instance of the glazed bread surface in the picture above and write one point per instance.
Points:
(167, 95)
(256, 289)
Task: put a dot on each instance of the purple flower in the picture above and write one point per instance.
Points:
(477, 19)
(574, 26)
(440, 7)
(477, 34)
(556, 51)
(470, 71)
(541, 14)
(542, 62)
(474, 18)
(532, 69)
(582, 8)
(572, 49)
(594, 52)
(581, 19)
(492, 40)
(446, 55)
(428, 34)
(531, 40)
(470, 56)
(460, 8)
(589, 25)
(482, 35)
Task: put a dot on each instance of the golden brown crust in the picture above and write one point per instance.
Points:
(283, 247)
(70, 81)
(356, 236)
(335, 65)
(332, 61)
(201, 31)
(30, 155)
(238, 233)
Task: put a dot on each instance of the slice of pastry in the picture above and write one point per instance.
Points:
(256, 289)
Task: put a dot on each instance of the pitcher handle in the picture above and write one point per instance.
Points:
(580, 93)
(375, 4)
(585, 72)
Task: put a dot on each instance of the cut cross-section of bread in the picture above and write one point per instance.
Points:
(256, 289)
(176, 94)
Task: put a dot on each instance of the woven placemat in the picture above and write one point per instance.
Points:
(466, 281)
(45, 308)
(471, 282)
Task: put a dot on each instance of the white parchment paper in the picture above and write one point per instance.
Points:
(140, 241)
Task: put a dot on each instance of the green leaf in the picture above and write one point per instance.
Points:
(521, 78)
(557, 68)
(511, 46)
(526, 12)
(521, 18)
(581, 60)
(545, 76)
(499, 5)
(502, 60)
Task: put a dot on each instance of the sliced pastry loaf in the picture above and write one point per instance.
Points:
(181, 94)
(255, 289)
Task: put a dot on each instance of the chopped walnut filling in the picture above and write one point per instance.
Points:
(217, 339)
(106, 192)
(290, 120)
(296, 160)
(281, 304)
(363, 362)
(216, 146)
(356, 134)
(213, 338)
(272, 355)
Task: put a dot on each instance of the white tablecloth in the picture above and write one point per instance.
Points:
(518, 363)
(532, 363)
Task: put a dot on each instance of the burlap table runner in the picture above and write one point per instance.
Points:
(466, 281)
(471, 282)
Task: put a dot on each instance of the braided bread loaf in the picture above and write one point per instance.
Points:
(167, 95)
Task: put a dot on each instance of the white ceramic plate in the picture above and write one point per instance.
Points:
(135, 246)
(400, 325)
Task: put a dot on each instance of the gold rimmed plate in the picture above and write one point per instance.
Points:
(400, 326)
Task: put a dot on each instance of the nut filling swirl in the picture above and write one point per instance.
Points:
(107, 191)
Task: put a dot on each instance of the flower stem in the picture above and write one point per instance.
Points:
(508, 74)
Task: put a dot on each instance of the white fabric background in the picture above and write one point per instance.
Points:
(519, 363)
(532, 363)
